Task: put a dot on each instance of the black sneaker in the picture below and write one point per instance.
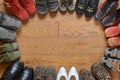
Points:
(80, 6)
(91, 8)
(105, 8)
(100, 73)
(111, 19)
(53, 5)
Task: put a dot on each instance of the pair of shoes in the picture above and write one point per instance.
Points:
(66, 4)
(22, 8)
(62, 74)
(89, 7)
(17, 69)
(45, 74)
(43, 6)
(112, 33)
(100, 73)
(112, 59)
(9, 52)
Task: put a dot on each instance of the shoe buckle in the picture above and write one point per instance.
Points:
(7, 4)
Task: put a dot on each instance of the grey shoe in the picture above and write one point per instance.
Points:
(8, 47)
(7, 35)
(53, 5)
(9, 22)
(71, 5)
(63, 5)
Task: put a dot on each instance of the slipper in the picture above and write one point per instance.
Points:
(53, 5)
(114, 42)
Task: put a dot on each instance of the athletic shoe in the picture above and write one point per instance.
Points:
(71, 5)
(63, 4)
(53, 5)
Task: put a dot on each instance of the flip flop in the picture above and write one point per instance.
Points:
(53, 5)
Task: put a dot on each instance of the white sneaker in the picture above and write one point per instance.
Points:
(62, 74)
(73, 73)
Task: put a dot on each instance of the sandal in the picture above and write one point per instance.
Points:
(41, 6)
(63, 5)
(71, 5)
(9, 47)
(112, 64)
(9, 22)
(53, 5)
(9, 57)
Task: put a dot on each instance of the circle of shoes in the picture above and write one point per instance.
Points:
(23, 9)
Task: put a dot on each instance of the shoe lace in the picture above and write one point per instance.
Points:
(63, 2)
(81, 6)
(89, 9)
(71, 2)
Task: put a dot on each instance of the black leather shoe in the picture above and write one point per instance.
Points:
(111, 19)
(27, 73)
(91, 8)
(12, 71)
(105, 8)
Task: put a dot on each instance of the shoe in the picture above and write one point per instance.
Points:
(39, 73)
(9, 22)
(7, 35)
(111, 64)
(85, 75)
(105, 8)
(100, 73)
(114, 41)
(27, 73)
(80, 6)
(17, 9)
(62, 74)
(71, 5)
(111, 19)
(91, 8)
(41, 6)
(8, 47)
(9, 57)
(73, 74)
(12, 70)
(112, 53)
(29, 6)
(53, 5)
(50, 73)
(63, 5)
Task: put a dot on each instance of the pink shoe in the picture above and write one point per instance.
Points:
(114, 42)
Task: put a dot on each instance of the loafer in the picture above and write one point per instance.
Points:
(50, 73)
(71, 5)
(91, 8)
(62, 74)
(111, 19)
(73, 74)
(39, 73)
(7, 35)
(8, 47)
(9, 57)
(12, 71)
(9, 22)
(63, 4)
(105, 8)
(100, 73)
(27, 73)
(53, 5)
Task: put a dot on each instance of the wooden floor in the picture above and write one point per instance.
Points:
(58, 39)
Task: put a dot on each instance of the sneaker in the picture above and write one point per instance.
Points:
(27, 73)
(100, 73)
(12, 70)
(8, 47)
(9, 57)
(111, 19)
(9, 22)
(17, 9)
(39, 73)
(29, 6)
(53, 5)
(111, 64)
(63, 5)
(50, 73)
(41, 6)
(105, 8)
(91, 8)
(71, 5)
(7, 35)
(85, 75)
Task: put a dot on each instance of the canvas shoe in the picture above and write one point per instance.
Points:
(9, 22)
(27, 73)
(8, 47)
(7, 35)
(17, 9)
(105, 8)
(63, 4)
(71, 5)
(12, 70)
(53, 5)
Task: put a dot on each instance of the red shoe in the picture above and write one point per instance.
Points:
(17, 9)
(29, 6)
